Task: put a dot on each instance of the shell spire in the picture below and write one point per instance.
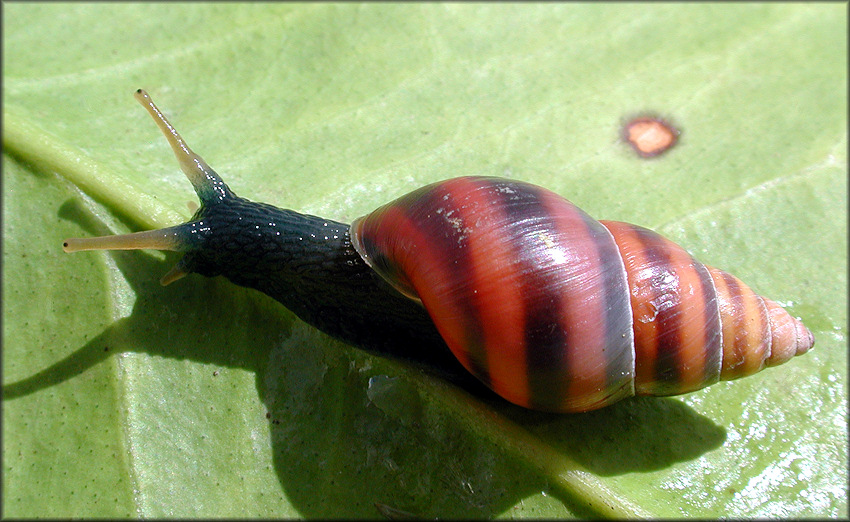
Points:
(694, 324)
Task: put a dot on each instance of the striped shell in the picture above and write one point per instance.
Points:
(556, 311)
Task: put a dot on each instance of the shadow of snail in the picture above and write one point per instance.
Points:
(353, 427)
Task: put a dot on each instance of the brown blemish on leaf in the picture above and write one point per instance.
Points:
(650, 136)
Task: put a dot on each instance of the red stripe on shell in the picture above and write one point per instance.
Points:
(399, 249)
(493, 283)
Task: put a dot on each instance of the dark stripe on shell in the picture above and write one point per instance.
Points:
(545, 341)
(666, 368)
(739, 317)
(619, 328)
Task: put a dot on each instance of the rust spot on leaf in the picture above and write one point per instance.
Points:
(650, 136)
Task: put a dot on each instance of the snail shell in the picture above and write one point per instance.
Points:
(557, 311)
(550, 308)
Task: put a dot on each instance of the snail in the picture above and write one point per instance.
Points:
(502, 279)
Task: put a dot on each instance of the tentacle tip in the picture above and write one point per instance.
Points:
(176, 272)
(69, 245)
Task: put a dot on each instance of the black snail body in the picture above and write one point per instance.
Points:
(302, 261)
(548, 307)
(308, 264)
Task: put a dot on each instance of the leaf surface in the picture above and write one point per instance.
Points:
(123, 398)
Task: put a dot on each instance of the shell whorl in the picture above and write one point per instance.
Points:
(556, 311)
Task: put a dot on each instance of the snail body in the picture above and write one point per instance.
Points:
(548, 307)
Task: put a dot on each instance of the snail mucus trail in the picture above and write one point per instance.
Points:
(494, 278)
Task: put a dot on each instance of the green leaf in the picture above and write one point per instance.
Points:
(124, 398)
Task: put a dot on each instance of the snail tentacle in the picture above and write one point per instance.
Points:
(208, 185)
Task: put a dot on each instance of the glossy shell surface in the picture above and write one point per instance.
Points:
(557, 311)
